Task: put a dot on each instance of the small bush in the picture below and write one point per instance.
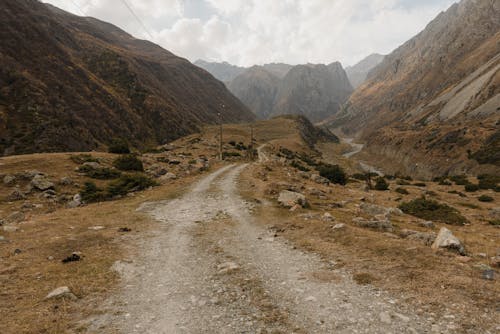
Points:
(495, 222)
(488, 181)
(402, 182)
(454, 192)
(229, 154)
(334, 173)
(232, 143)
(297, 165)
(284, 152)
(240, 146)
(307, 159)
(82, 158)
(460, 180)
(445, 183)
(470, 188)
(381, 184)
(128, 163)
(402, 191)
(119, 147)
(91, 193)
(420, 184)
(129, 183)
(103, 173)
(359, 176)
(485, 198)
(433, 210)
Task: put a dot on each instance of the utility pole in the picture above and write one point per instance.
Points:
(250, 149)
(220, 134)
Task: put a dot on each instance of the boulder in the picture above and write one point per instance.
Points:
(16, 195)
(327, 217)
(66, 181)
(15, 217)
(422, 237)
(61, 292)
(427, 224)
(379, 224)
(40, 182)
(446, 239)
(9, 180)
(92, 164)
(76, 201)
(167, 177)
(289, 199)
(157, 170)
(373, 209)
(319, 179)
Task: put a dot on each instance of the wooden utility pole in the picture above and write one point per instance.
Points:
(220, 135)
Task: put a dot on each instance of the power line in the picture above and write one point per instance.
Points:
(137, 18)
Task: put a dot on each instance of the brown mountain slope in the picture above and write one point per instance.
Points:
(431, 107)
(73, 83)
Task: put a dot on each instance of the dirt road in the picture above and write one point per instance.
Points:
(211, 269)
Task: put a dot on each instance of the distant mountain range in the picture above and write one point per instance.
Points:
(358, 73)
(69, 83)
(432, 106)
(313, 90)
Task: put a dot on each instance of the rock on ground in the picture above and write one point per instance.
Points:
(289, 199)
(40, 182)
(61, 292)
(446, 239)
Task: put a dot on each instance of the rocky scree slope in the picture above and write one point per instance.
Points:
(70, 83)
(436, 98)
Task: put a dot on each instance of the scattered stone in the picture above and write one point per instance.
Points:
(427, 224)
(446, 239)
(10, 228)
(385, 318)
(319, 179)
(488, 274)
(463, 259)
(76, 201)
(402, 317)
(338, 205)
(2, 238)
(40, 182)
(373, 209)
(295, 207)
(96, 228)
(289, 199)
(50, 258)
(495, 261)
(227, 267)
(157, 170)
(9, 180)
(72, 258)
(327, 217)
(311, 299)
(61, 292)
(339, 226)
(16, 195)
(495, 213)
(66, 181)
(423, 237)
(92, 164)
(15, 217)
(49, 194)
(383, 225)
(124, 229)
(168, 177)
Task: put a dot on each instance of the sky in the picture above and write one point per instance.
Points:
(249, 32)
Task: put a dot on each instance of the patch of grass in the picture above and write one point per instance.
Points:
(495, 222)
(433, 210)
(363, 278)
(402, 191)
(485, 198)
(102, 173)
(381, 184)
(334, 173)
(82, 158)
(128, 163)
(420, 184)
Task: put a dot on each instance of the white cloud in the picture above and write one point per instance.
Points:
(246, 32)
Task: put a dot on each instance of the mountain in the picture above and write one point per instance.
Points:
(314, 91)
(257, 89)
(432, 106)
(357, 74)
(70, 83)
(277, 69)
(224, 71)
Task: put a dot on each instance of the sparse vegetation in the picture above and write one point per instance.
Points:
(485, 198)
(470, 188)
(488, 181)
(91, 193)
(119, 147)
(402, 191)
(128, 162)
(334, 173)
(82, 158)
(129, 183)
(381, 184)
(495, 222)
(402, 182)
(433, 210)
(454, 192)
(420, 184)
(460, 180)
(101, 173)
(230, 154)
(300, 167)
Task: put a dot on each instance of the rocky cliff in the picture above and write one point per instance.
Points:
(433, 104)
(224, 71)
(75, 83)
(358, 73)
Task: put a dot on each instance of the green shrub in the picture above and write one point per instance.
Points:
(381, 184)
(119, 147)
(495, 222)
(284, 152)
(488, 181)
(307, 159)
(420, 184)
(229, 154)
(232, 143)
(402, 191)
(128, 163)
(91, 193)
(485, 198)
(359, 176)
(457, 193)
(101, 173)
(129, 183)
(334, 173)
(402, 182)
(470, 188)
(82, 158)
(433, 210)
(240, 146)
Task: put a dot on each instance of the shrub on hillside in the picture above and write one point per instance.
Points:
(334, 173)
(91, 193)
(402, 191)
(297, 165)
(101, 173)
(470, 188)
(129, 183)
(420, 184)
(119, 147)
(433, 210)
(488, 181)
(381, 184)
(485, 198)
(128, 163)
(460, 180)
(82, 158)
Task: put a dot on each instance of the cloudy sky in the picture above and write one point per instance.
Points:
(247, 32)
